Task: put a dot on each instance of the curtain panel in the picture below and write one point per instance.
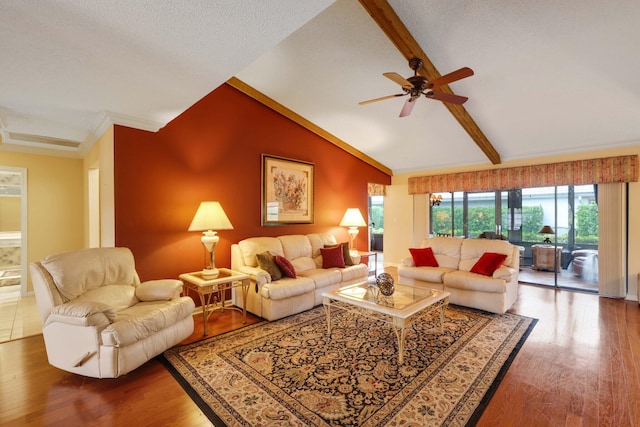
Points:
(578, 172)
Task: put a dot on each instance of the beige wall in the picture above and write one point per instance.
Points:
(101, 157)
(404, 228)
(54, 203)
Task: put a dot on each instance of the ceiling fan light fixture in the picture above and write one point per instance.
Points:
(416, 85)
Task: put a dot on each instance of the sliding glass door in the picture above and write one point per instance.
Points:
(556, 229)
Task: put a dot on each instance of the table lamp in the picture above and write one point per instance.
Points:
(210, 216)
(546, 230)
(353, 219)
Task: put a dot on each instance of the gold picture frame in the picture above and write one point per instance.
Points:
(287, 191)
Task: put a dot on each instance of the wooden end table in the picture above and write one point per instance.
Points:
(208, 288)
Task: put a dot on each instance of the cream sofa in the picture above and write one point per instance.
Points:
(456, 257)
(280, 298)
(98, 319)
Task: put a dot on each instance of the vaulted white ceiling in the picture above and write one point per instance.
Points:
(550, 77)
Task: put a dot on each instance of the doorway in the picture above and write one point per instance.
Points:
(13, 229)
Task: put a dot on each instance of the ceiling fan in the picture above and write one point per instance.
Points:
(417, 85)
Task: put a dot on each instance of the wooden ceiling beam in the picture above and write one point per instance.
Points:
(387, 19)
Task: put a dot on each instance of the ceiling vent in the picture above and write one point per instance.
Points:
(42, 141)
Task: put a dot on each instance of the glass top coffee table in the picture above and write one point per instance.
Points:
(400, 309)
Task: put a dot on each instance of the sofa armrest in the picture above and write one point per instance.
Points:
(408, 262)
(85, 313)
(505, 273)
(159, 290)
(258, 275)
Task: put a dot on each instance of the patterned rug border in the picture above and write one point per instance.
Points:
(217, 421)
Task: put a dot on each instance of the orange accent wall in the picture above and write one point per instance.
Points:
(213, 152)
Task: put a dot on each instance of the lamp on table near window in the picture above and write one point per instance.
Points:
(353, 219)
(210, 216)
(547, 230)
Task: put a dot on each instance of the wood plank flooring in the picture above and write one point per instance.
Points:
(579, 367)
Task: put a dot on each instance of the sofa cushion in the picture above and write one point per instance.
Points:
(423, 257)
(332, 257)
(76, 272)
(427, 274)
(354, 272)
(446, 250)
(285, 266)
(303, 264)
(474, 282)
(145, 319)
(267, 262)
(488, 263)
(323, 277)
(295, 246)
(319, 240)
(287, 288)
(256, 245)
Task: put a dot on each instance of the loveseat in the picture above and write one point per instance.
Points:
(316, 268)
(456, 267)
(98, 319)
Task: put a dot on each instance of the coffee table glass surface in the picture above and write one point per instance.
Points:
(401, 309)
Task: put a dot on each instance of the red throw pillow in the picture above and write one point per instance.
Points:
(423, 257)
(345, 252)
(488, 263)
(332, 257)
(285, 265)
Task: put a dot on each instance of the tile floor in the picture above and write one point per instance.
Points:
(19, 316)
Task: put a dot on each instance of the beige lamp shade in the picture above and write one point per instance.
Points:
(353, 218)
(546, 230)
(210, 216)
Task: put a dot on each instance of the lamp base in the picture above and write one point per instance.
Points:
(210, 273)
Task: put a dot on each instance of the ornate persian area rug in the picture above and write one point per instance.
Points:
(291, 372)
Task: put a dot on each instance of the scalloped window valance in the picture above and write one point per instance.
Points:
(376, 189)
(578, 172)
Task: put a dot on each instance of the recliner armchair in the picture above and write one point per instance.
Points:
(98, 319)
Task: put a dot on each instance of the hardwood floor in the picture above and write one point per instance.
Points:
(579, 367)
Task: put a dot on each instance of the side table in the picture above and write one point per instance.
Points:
(208, 288)
(543, 257)
(375, 261)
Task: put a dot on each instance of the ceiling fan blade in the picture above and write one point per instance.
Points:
(451, 77)
(408, 107)
(446, 97)
(380, 99)
(398, 79)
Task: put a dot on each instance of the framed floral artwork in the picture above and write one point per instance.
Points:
(287, 191)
